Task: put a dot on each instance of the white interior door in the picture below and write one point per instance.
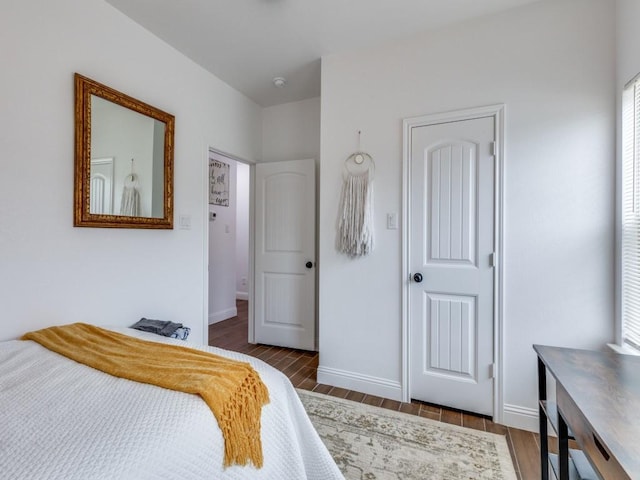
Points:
(284, 313)
(451, 236)
(101, 200)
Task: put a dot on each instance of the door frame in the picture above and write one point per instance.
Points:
(205, 176)
(498, 113)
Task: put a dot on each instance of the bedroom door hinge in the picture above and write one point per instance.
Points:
(492, 370)
(492, 148)
(492, 259)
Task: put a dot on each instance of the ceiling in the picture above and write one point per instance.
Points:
(247, 43)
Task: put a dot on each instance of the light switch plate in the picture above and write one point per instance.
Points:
(392, 221)
(184, 221)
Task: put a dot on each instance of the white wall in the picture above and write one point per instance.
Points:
(291, 131)
(552, 64)
(242, 231)
(51, 272)
(628, 39)
(222, 252)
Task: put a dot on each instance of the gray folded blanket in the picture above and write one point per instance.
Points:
(160, 327)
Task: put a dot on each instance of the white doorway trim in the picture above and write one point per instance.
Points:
(205, 190)
(498, 114)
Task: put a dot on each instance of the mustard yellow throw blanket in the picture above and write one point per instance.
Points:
(233, 390)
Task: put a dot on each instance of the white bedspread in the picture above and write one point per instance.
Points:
(63, 420)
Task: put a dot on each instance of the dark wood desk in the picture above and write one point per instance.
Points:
(598, 404)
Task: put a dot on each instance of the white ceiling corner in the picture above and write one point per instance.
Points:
(247, 43)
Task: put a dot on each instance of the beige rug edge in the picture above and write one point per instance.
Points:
(504, 456)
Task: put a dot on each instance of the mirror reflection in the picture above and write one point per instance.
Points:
(127, 161)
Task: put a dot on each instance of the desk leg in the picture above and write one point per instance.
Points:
(544, 439)
(563, 447)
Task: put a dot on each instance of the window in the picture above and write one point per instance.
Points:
(631, 214)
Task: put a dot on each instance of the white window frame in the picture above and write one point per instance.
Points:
(628, 326)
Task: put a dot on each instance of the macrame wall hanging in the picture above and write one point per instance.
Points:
(130, 201)
(355, 224)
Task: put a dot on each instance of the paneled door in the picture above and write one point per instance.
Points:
(101, 200)
(451, 235)
(285, 254)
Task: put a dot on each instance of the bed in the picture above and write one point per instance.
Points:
(63, 420)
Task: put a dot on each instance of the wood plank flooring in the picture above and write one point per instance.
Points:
(300, 366)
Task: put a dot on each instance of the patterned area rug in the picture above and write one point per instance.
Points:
(371, 443)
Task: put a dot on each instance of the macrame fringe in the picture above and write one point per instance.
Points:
(355, 226)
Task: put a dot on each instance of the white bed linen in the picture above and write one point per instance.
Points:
(63, 420)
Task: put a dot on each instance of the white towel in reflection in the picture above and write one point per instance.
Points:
(130, 202)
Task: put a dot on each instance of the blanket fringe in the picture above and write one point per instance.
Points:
(239, 417)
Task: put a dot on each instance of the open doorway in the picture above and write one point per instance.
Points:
(229, 245)
(261, 275)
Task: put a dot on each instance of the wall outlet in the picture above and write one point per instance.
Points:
(243, 281)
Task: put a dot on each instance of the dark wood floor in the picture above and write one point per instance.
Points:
(300, 366)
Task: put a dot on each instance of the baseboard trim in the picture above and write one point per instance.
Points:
(222, 315)
(360, 383)
(242, 296)
(524, 418)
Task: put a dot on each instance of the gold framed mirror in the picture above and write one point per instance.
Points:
(123, 160)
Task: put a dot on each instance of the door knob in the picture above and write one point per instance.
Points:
(308, 264)
(417, 277)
